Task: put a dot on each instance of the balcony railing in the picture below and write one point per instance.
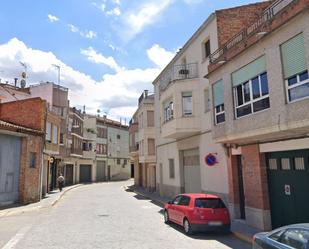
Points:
(268, 14)
(179, 72)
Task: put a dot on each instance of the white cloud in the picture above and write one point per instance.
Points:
(87, 34)
(93, 56)
(90, 34)
(101, 6)
(135, 21)
(73, 28)
(159, 56)
(115, 93)
(117, 2)
(192, 1)
(114, 12)
(52, 18)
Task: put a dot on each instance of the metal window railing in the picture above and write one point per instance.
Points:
(268, 14)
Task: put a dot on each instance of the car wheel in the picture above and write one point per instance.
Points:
(166, 217)
(187, 227)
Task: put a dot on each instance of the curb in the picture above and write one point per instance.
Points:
(63, 193)
(238, 235)
(25, 210)
(242, 237)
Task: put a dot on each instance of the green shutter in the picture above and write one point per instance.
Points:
(218, 93)
(293, 56)
(249, 71)
(187, 94)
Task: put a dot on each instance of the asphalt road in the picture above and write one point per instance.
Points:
(103, 216)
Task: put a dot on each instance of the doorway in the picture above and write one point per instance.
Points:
(132, 170)
(241, 188)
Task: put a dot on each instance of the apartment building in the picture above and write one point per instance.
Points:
(107, 143)
(259, 104)
(22, 135)
(188, 159)
(142, 142)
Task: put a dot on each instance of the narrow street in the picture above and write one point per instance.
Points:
(103, 216)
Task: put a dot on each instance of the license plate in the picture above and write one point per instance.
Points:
(215, 223)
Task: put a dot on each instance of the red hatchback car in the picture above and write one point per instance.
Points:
(198, 212)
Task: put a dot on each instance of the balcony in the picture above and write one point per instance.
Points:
(77, 151)
(181, 127)
(277, 14)
(178, 72)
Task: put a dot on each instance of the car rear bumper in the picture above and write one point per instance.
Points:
(207, 227)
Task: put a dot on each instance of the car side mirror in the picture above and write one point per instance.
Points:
(170, 202)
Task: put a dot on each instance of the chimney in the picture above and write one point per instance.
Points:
(145, 94)
(84, 109)
(15, 82)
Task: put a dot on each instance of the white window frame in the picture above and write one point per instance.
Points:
(187, 114)
(299, 83)
(217, 113)
(168, 112)
(252, 101)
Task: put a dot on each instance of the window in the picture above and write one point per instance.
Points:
(218, 101)
(298, 86)
(295, 68)
(252, 96)
(48, 131)
(277, 235)
(272, 163)
(176, 201)
(207, 48)
(101, 149)
(102, 132)
(168, 111)
(220, 114)
(151, 146)
(125, 161)
(55, 134)
(32, 159)
(118, 136)
(171, 168)
(187, 104)
(299, 163)
(209, 203)
(118, 161)
(61, 138)
(285, 164)
(184, 201)
(150, 118)
(295, 238)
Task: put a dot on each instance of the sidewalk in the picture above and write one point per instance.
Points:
(238, 228)
(50, 200)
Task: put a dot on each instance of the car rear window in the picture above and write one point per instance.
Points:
(209, 203)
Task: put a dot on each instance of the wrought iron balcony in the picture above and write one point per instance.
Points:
(255, 28)
(178, 72)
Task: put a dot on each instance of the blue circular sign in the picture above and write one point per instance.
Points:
(211, 160)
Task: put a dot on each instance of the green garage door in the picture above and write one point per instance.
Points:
(288, 183)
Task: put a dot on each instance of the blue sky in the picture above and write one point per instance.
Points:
(108, 50)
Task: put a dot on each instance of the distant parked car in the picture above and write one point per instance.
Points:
(198, 212)
(287, 237)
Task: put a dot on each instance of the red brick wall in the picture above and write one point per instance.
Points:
(30, 178)
(255, 177)
(29, 113)
(232, 21)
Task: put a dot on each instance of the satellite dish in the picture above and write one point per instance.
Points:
(23, 75)
(22, 83)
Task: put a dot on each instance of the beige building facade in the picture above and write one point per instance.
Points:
(260, 115)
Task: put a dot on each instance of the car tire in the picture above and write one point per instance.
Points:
(166, 217)
(187, 227)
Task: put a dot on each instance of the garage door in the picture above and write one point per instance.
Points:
(85, 173)
(288, 178)
(10, 148)
(101, 165)
(192, 171)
